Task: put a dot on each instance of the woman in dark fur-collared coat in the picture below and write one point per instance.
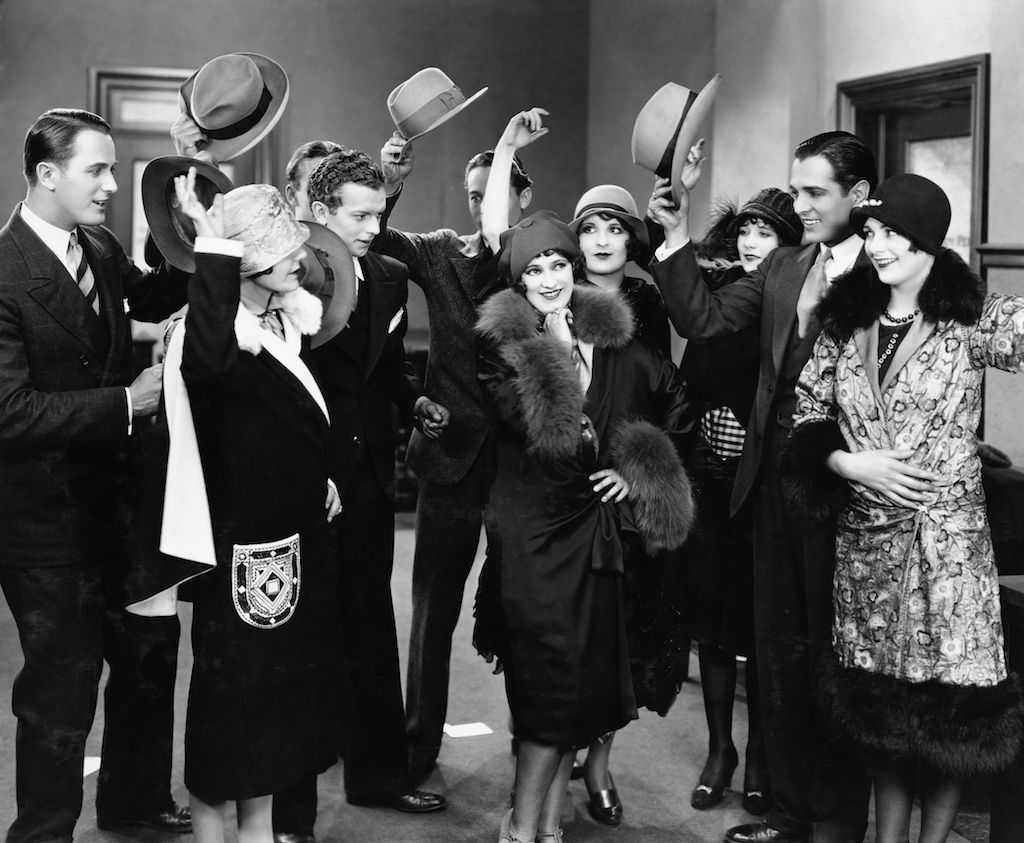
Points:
(576, 472)
(884, 437)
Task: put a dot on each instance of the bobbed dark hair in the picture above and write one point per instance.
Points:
(52, 137)
(579, 268)
(851, 159)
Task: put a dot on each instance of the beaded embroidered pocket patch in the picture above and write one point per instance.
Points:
(265, 581)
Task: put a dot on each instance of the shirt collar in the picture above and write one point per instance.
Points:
(56, 239)
(843, 255)
(358, 268)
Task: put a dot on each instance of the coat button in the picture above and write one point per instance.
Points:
(771, 388)
(83, 360)
(356, 440)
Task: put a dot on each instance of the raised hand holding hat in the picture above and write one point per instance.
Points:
(426, 100)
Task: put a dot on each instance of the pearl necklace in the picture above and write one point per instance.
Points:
(901, 320)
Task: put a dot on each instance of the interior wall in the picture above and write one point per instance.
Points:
(343, 58)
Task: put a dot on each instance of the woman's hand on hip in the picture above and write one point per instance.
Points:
(611, 483)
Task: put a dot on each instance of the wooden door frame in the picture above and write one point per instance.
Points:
(892, 89)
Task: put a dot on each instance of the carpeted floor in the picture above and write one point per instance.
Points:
(655, 761)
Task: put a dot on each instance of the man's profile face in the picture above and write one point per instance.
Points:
(297, 193)
(357, 219)
(476, 184)
(81, 189)
(820, 201)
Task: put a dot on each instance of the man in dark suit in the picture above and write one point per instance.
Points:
(68, 412)
(815, 784)
(364, 376)
(456, 273)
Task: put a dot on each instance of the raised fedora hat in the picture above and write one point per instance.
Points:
(335, 288)
(173, 232)
(425, 100)
(236, 99)
(668, 125)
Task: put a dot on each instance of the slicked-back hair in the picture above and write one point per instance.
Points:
(849, 156)
(52, 137)
(310, 149)
(520, 179)
(348, 166)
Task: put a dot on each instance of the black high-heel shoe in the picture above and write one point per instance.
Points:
(706, 796)
(757, 802)
(605, 805)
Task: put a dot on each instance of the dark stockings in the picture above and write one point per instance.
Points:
(718, 682)
(894, 799)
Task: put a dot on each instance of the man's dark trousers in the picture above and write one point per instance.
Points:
(813, 777)
(448, 521)
(55, 694)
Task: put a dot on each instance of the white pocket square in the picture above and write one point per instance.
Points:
(395, 320)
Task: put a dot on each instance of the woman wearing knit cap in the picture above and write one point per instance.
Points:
(721, 376)
(884, 439)
(575, 476)
(248, 503)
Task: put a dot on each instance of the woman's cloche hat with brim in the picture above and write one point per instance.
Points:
(235, 99)
(426, 100)
(329, 274)
(537, 233)
(172, 230)
(668, 125)
(619, 203)
(912, 206)
(257, 216)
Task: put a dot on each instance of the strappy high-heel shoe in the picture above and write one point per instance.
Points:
(550, 835)
(506, 833)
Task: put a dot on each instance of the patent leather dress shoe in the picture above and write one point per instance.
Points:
(762, 833)
(175, 820)
(605, 805)
(289, 837)
(413, 802)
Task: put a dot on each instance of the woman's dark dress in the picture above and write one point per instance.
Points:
(261, 709)
(565, 654)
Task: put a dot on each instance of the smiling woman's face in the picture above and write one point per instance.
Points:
(548, 280)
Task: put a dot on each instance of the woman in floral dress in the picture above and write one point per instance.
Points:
(884, 438)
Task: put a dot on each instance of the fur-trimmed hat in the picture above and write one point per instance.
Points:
(775, 207)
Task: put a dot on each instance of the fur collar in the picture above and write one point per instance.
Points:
(601, 318)
(951, 293)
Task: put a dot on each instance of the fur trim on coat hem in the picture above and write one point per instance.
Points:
(812, 491)
(660, 493)
(959, 730)
(549, 392)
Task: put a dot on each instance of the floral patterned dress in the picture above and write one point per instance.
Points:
(916, 595)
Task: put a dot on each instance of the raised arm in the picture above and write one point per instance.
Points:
(522, 130)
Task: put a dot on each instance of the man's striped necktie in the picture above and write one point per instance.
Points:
(82, 273)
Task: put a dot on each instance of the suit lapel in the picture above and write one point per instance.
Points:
(55, 290)
(379, 290)
(787, 293)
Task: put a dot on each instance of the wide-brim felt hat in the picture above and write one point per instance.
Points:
(173, 232)
(668, 125)
(330, 275)
(235, 99)
(912, 206)
(426, 100)
(617, 202)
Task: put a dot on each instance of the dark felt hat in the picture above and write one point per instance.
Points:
(537, 233)
(329, 274)
(775, 207)
(172, 231)
(910, 205)
(236, 99)
(617, 202)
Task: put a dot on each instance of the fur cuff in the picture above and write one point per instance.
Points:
(660, 493)
(961, 730)
(549, 393)
(812, 492)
